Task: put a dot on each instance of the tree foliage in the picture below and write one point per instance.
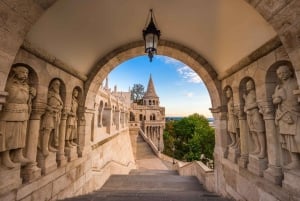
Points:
(191, 136)
(137, 92)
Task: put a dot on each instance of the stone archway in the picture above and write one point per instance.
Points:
(281, 15)
(167, 48)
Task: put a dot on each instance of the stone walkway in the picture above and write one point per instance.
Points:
(146, 159)
(151, 182)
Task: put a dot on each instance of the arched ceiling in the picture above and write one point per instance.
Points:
(79, 33)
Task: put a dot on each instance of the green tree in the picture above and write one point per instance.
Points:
(137, 93)
(191, 136)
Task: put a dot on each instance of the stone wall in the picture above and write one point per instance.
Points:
(252, 161)
(51, 146)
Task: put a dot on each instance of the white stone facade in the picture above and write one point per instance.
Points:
(149, 116)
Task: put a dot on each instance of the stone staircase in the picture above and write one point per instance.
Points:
(144, 151)
(149, 183)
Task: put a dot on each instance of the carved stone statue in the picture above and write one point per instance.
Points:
(255, 121)
(71, 134)
(51, 120)
(232, 121)
(14, 117)
(288, 114)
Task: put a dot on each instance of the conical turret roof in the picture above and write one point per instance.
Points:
(150, 93)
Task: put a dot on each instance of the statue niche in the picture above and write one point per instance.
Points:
(14, 117)
(255, 121)
(49, 135)
(288, 114)
(232, 121)
(71, 133)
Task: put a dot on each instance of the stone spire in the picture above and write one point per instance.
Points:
(150, 93)
(106, 83)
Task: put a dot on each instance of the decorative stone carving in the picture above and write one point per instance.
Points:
(232, 121)
(71, 134)
(288, 114)
(51, 120)
(255, 121)
(14, 117)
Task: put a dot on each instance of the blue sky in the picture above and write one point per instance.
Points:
(180, 89)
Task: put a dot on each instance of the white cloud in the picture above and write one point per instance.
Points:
(189, 75)
(169, 60)
(185, 71)
(190, 94)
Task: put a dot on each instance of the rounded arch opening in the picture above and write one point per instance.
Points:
(167, 48)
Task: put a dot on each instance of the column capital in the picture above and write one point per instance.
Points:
(65, 113)
(267, 109)
(219, 112)
(3, 95)
(38, 109)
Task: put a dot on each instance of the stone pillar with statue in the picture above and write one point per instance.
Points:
(257, 158)
(71, 132)
(232, 128)
(13, 125)
(287, 120)
(49, 131)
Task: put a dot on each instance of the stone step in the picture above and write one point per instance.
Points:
(152, 183)
(148, 196)
(152, 172)
(144, 187)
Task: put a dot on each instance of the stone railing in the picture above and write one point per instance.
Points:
(198, 169)
(150, 143)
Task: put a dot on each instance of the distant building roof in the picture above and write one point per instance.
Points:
(150, 93)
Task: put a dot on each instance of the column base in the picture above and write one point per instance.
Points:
(61, 159)
(47, 164)
(233, 154)
(225, 153)
(243, 161)
(274, 174)
(30, 172)
(257, 165)
(71, 153)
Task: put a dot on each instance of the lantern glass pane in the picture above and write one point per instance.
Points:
(155, 41)
(149, 40)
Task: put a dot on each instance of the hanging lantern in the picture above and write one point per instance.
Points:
(151, 36)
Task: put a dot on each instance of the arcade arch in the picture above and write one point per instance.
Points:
(171, 49)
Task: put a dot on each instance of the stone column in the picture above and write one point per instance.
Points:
(221, 135)
(100, 115)
(155, 137)
(162, 146)
(244, 139)
(3, 95)
(107, 119)
(274, 171)
(126, 118)
(30, 172)
(85, 131)
(117, 118)
(122, 119)
(220, 150)
(60, 155)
